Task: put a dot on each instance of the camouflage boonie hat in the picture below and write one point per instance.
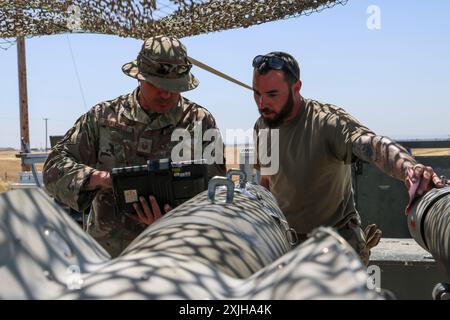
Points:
(163, 62)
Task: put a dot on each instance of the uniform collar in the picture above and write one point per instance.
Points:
(152, 119)
(301, 112)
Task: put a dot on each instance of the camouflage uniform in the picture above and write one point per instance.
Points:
(120, 133)
(112, 134)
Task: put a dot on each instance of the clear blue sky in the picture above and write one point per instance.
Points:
(395, 80)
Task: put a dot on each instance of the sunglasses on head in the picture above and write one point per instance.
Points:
(274, 63)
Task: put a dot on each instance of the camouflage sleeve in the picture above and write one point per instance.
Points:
(68, 167)
(218, 168)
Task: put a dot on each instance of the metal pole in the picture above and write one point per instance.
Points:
(46, 136)
(23, 96)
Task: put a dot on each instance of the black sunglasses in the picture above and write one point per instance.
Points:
(164, 68)
(273, 62)
(167, 68)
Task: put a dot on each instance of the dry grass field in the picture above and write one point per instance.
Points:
(431, 152)
(10, 165)
(9, 169)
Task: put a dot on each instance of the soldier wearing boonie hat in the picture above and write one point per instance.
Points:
(127, 131)
(163, 61)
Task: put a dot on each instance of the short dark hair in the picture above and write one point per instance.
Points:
(290, 60)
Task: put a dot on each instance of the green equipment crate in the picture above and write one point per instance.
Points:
(407, 270)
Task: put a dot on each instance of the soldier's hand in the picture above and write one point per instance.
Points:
(372, 235)
(100, 179)
(419, 180)
(148, 214)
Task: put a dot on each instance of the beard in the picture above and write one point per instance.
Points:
(282, 115)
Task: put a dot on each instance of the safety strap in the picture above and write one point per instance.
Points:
(218, 73)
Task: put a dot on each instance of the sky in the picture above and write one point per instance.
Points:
(394, 77)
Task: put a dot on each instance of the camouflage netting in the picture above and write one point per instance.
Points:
(145, 18)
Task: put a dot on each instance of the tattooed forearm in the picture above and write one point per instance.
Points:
(385, 154)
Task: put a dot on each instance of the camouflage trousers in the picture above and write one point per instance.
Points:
(353, 233)
(115, 237)
(114, 243)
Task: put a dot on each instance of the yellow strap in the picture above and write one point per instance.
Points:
(218, 73)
